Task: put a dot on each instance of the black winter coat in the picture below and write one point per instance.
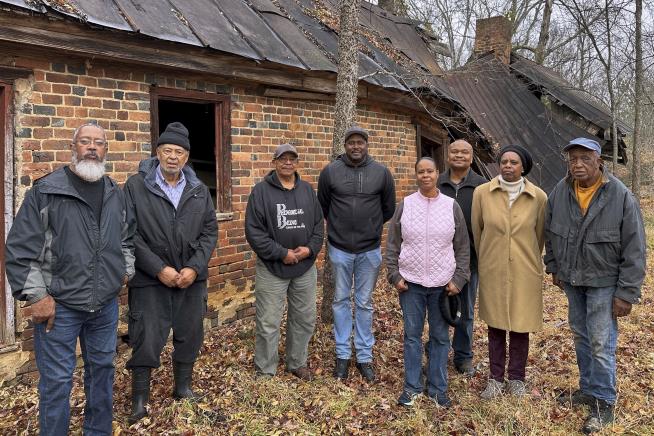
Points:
(179, 238)
(56, 247)
(462, 193)
(278, 219)
(356, 201)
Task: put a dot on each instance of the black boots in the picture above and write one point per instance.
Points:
(342, 368)
(140, 393)
(182, 373)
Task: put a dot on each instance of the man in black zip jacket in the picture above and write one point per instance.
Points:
(69, 252)
(459, 182)
(357, 195)
(176, 235)
(284, 227)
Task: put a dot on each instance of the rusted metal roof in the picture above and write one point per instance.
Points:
(550, 82)
(296, 33)
(26, 5)
(507, 112)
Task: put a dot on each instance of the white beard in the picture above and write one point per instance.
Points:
(89, 170)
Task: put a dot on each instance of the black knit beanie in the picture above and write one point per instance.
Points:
(525, 156)
(175, 134)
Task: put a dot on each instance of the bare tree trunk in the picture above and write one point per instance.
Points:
(609, 80)
(344, 113)
(582, 62)
(638, 102)
(544, 33)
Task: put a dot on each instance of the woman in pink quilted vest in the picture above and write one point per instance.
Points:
(427, 254)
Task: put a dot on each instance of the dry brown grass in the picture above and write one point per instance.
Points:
(236, 403)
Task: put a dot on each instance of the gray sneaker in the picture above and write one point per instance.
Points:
(517, 388)
(493, 390)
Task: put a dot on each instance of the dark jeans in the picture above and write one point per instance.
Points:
(518, 351)
(415, 302)
(154, 310)
(55, 358)
(462, 338)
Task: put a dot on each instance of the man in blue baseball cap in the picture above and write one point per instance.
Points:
(595, 251)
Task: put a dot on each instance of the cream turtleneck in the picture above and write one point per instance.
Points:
(512, 188)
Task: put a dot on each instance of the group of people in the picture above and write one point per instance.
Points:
(456, 235)
(78, 238)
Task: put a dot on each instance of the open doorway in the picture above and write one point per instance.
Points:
(206, 116)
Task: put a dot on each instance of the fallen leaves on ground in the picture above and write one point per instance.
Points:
(237, 403)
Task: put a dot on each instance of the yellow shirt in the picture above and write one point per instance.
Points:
(585, 195)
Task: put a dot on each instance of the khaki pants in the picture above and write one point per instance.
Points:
(271, 294)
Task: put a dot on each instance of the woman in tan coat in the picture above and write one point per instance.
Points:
(508, 215)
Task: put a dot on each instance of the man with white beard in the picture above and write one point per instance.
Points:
(68, 254)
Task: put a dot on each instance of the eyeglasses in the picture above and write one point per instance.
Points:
(287, 159)
(170, 152)
(89, 141)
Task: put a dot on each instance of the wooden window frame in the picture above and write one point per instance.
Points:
(222, 140)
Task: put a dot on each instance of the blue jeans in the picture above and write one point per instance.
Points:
(595, 331)
(55, 358)
(415, 302)
(462, 338)
(362, 269)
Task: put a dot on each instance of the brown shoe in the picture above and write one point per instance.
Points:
(303, 373)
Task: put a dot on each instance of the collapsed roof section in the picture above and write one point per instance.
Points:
(508, 112)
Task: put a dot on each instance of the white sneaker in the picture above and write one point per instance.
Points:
(493, 390)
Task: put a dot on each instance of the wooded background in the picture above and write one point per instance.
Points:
(593, 44)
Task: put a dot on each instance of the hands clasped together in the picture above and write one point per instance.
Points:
(296, 255)
(170, 277)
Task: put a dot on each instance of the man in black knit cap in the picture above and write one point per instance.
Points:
(176, 235)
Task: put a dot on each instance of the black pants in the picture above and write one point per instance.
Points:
(154, 310)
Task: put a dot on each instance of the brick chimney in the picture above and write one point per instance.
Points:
(494, 35)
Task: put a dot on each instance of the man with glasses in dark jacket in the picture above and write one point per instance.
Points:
(595, 251)
(68, 254)
(357, 195)
(176, 235)
(284, 227)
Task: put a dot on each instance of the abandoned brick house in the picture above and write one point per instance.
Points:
(245, 76)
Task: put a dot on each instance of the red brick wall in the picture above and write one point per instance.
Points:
(61, 95)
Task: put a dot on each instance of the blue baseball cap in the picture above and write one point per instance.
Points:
(584, 142)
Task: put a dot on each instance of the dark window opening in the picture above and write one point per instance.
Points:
(206, 116)
(199, 120)
(435, 151)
